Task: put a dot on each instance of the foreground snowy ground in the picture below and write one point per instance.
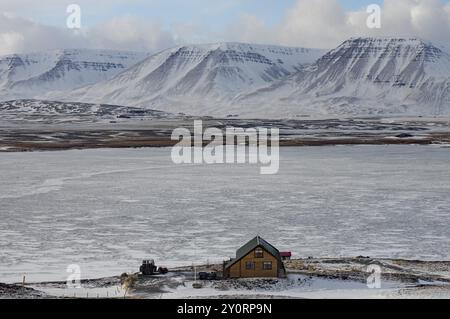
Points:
(106, 210)
(307, 278)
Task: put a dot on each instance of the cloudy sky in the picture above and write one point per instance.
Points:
(151, 25)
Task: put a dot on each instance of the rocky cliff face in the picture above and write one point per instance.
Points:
(368, 76)
(362, 76)
(199, 78)
(28, 75)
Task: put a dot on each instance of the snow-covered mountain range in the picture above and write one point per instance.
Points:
(365, 76)
(362, 76)
(34, 74)
(198, 79)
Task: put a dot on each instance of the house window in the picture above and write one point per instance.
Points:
(267, 265)
(249, 265)
(259, 253)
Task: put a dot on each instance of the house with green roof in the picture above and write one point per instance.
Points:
(256, 259)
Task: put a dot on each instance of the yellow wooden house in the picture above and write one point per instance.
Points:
(256, 259)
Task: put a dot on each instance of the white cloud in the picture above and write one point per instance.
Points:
(125, 33)
(19, 34)
(315, 23)
(308, 23)
(251, 29)
(130, 33)
(325, 24)
(10, 42)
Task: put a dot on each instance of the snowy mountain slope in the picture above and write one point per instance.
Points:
(197, 79)
(365, 76)
(362, 76)
(28, 75)
(53, 112)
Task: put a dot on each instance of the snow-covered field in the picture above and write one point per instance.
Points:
(105, 210)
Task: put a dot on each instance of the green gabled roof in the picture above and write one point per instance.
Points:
(251, 245)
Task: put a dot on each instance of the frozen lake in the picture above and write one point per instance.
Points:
(106, 210)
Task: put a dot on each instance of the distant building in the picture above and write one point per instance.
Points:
(256, 259)
(286, 255)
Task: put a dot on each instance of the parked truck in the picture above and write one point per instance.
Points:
(148, 268)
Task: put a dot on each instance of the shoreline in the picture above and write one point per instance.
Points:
(22, 146)
(307, 278)
(49, 134)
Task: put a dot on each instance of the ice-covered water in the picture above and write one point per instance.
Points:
(105, 210)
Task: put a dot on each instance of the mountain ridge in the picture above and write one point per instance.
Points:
(361, 76)
(30, 74)
(200, 73)
(367, 76)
